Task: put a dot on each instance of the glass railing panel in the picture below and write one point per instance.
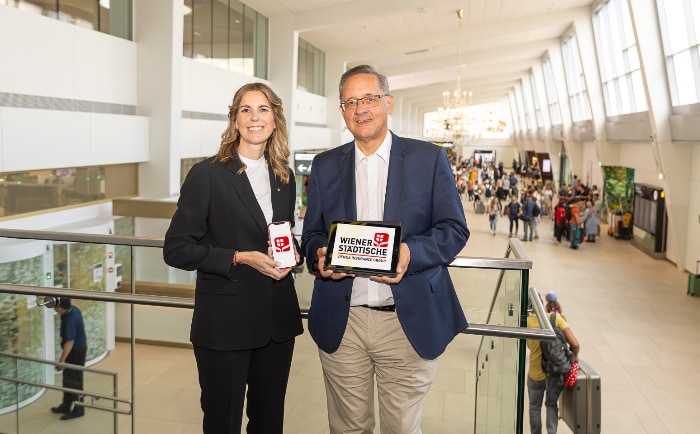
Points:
(496, 388)
(498, 302)
(30, 333)
(9, 393)
(31, 386)
(476, 304)
(498, 361)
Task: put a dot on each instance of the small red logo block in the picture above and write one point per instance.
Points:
(282, 244)
(381, 239)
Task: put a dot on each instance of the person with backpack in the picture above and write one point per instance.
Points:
(574, 217)
(545, 378)
(560, 222)
(488, 193)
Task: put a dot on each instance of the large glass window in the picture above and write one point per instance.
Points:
(551, 91)
(226, 33)
(519, 108)
(311, 69)
(539, 118)
(575, 82)
(680, 30)
(618, 59)
(111, 17)
(37, 190)
(527, 104)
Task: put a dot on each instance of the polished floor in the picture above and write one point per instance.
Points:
(637, 328)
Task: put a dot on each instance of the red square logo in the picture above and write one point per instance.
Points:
(282, 244)
(381, 239)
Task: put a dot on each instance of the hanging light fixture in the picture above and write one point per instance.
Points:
(454, 103)
(457, 98)
(457, 120)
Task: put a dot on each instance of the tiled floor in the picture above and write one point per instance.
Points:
(636, 325)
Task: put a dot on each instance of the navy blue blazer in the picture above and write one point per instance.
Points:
(235, 307)
(422, 195)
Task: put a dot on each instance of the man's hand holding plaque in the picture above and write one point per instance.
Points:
(364, 248)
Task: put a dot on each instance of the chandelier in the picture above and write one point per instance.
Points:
(455, 122)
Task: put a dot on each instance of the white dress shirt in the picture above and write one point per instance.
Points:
(370, 190)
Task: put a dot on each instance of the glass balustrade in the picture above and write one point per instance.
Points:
(128, 295)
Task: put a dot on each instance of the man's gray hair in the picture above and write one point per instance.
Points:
(364, 69)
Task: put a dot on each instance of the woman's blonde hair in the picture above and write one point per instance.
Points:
(277, 147)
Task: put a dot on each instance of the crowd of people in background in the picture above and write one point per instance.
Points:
(520, 194)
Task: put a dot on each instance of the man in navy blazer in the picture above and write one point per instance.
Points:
(386, 328)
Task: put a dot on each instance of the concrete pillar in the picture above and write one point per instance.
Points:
(673, 160)
(283, 58)
(158, 28)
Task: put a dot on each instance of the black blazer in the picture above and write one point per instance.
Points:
(236, 307)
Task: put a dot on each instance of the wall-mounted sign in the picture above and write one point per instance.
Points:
(302, 163)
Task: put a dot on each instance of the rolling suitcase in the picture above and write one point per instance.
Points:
(480, 208)
(580, 407)
(694, 282)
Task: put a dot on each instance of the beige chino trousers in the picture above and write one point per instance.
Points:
(375, 346)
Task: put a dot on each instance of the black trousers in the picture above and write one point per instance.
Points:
(223, 377)
(73, 378)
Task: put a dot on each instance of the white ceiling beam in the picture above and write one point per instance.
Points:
(504, 54)
(449, 77)
(558, 21)
(358, 11)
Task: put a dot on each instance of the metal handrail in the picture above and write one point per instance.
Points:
(115, 399)
(116, 297)
(75, 237)
(521, 262)
(188, 303)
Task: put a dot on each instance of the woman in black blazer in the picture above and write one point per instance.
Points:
(246, 313)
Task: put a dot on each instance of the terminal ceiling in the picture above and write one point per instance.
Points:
(415, 42)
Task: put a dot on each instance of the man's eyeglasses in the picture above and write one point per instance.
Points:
(369, 101)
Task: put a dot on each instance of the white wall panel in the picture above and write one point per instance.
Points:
(59, 59)
(46, 44)
(210, 89)
(311, 138)
(640, 157)
(39, 139)
(210, 136)
(200, 138)
(310, 108)
(118, 139)
(53, 220)
(35, 139)
(105, 68)
(189, 138)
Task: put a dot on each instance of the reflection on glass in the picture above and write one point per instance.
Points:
(37, 190)
(498, 362)
(228, 35)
